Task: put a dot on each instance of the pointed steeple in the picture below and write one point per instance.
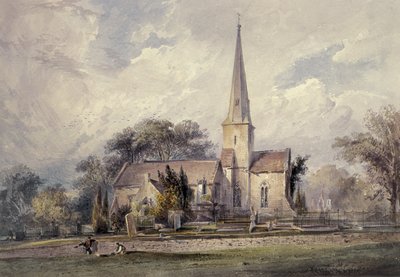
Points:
(239, 107)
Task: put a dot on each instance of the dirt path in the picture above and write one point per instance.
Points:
(106, 246)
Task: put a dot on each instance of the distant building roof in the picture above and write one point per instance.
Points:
(270, 161)
(227, 157)
(134, 175)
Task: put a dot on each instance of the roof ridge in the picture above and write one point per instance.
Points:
(171, 161)
(120, 173)
(271, 150)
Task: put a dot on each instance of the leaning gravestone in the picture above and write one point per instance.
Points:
(130, 224)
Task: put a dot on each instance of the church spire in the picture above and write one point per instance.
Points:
(239, 107)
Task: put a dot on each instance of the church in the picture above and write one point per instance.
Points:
(240, 181)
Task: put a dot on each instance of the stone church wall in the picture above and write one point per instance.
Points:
(241, 144)
(276, 202)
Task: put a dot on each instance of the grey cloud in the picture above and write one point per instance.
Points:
(58, 60)
(112, 49)
(154, 41)
(336, 76)
(61, 5)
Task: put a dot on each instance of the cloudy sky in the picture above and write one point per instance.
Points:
(73, 72)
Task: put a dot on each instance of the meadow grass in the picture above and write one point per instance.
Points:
(367, 259)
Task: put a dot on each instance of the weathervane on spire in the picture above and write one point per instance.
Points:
(238, 15)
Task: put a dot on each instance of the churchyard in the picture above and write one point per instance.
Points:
(176, 254)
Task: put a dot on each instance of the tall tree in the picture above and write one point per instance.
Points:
(184, 190)
(298, 169)
(191, 142)
(378, 150)
(123, 144)
(21, 186)
(99, 222)
(94, 176)
(159, 136)
(158, 140)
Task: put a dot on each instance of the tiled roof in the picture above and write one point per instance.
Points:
(134, 175)
(270, 161)
(227, 157)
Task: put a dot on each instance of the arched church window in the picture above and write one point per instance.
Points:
(237, 102)
(237, 195)
(234, 140)
(264, 196)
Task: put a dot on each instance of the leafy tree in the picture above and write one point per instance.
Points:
(124, 146)
(94, 176)
(298, 169)
(99, 222)
(51, 205)
(159, 140)
(159, 137)
(21, 186)
(378, 150)
(167, 141)
(176, 194)
(191, 142)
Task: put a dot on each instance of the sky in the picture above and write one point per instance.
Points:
(74, 72)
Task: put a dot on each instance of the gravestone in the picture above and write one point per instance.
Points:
(174, 219)
(252, 220)
(130, 224)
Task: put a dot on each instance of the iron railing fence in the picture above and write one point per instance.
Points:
(345, 218)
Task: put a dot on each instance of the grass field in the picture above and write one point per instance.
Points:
(367, 259)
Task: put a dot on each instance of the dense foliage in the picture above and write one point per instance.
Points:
(156, 139)
(51, 205)
(176, 194)
(20, 185)
(298, 169)
(99, 218)
(378, 150)
(94, 176)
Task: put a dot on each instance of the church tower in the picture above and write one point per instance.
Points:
(238, 134)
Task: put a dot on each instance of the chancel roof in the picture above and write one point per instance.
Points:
(270, 161)
(134, 175)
